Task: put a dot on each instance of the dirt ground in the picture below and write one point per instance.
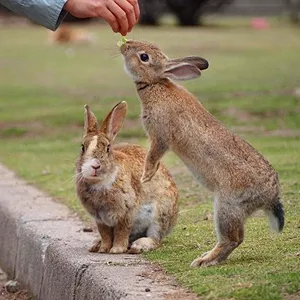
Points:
(4, 295)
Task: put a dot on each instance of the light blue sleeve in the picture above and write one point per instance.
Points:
(48, 13)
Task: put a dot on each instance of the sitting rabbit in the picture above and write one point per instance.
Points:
(241, 179)
(127, 213)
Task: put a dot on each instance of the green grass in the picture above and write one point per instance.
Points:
(265, 265)
(249, 86)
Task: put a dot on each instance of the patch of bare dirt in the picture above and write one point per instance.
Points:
(286, 132)
(34, 125)
(241, 94)
(283, 132)
(295, 296)
(157, 274)
(244, 115)
(32, 129)
(239, 114)
(22, 129)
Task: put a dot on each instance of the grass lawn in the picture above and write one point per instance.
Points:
(249, 86)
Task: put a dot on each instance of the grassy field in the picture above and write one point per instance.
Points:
(249, 86)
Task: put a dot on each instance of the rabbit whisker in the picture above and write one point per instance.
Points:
(70, 180)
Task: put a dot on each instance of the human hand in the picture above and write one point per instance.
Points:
(121, 15)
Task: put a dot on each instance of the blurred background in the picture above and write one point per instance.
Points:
(252, 85)
(192, 12)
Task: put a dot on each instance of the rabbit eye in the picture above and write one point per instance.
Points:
(108, 148)
(82, 148)
(144, 57)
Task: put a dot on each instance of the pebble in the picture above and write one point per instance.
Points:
(207, 216)
(12, 286)
(87, 229)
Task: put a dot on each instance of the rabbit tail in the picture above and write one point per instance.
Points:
(276, 215)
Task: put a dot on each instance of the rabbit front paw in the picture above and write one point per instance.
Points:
(149, 172)
(99, 246)
(96, 246)
(146, 177)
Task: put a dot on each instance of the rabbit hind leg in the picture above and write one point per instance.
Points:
(148, 243)
(229, 225)
(143, 244)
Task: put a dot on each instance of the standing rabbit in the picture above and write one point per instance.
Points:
(127, 213)
(241, 179)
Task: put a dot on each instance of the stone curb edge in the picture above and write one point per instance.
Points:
(42, 245)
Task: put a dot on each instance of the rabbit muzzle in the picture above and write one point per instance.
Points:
(95, 166)
(91, 168)
(123, 48)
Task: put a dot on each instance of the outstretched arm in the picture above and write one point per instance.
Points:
(48, 13)
(121, 15)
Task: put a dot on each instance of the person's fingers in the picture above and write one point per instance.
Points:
(121, 17)
(136, 8)
(129, 10)
(110, 19)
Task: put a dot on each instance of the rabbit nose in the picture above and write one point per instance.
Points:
(123, 48)
(95, 164)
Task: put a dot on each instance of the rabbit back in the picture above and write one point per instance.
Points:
(218, 158)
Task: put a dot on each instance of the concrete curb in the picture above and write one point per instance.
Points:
(43, 247)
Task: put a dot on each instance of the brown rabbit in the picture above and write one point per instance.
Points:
(108, 185)
(241, 179)
(66, 34)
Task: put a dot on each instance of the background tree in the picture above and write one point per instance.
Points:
(187, 12)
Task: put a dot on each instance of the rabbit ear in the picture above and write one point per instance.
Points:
(114, 120)
(185, 68)
(199, 62)
(181, 71)
(90, 122)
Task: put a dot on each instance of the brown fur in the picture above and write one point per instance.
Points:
(241, 179)
(114, 195)
(65, 34)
